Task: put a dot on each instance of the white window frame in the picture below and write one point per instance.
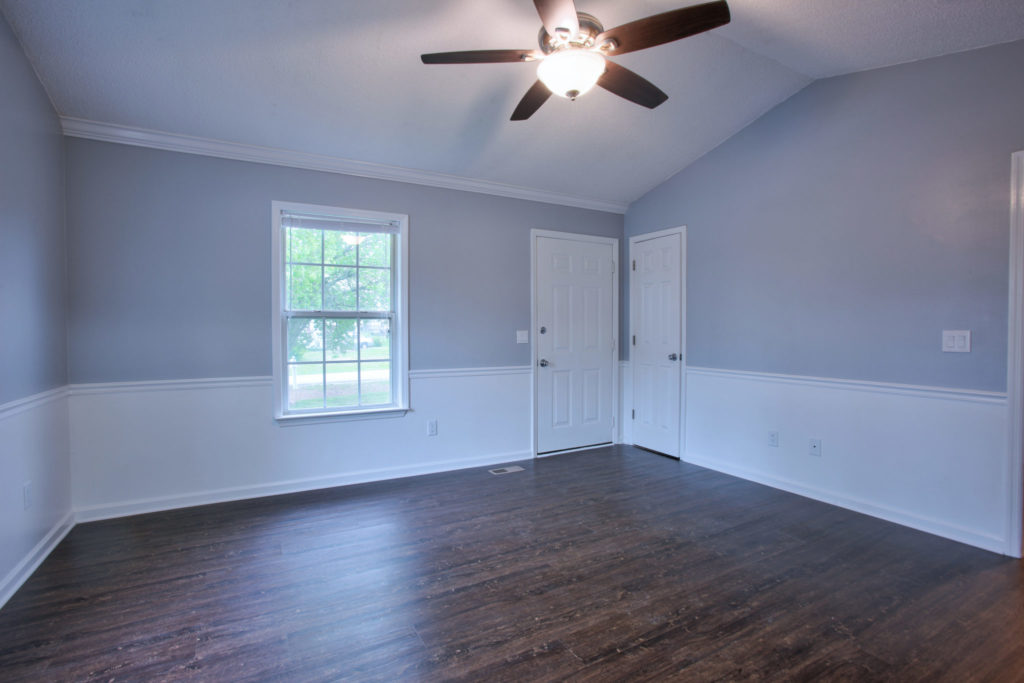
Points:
(399, 327)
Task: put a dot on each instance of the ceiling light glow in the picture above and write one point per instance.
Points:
(572, 72)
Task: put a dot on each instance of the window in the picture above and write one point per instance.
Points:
(340, 341)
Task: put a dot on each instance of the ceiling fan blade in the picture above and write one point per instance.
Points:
(479, 57)
(631, 86)
(664, 28)
(537, 95)
(558, 14)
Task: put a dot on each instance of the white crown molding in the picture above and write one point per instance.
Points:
(141, 137)
(920, 391)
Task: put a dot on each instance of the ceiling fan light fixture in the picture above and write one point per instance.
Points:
(571, 72)
(351, 239)
(574, 44)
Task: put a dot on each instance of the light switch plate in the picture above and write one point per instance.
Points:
(522, 336)
(956, 341)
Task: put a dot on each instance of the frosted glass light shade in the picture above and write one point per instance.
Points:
(570, 73)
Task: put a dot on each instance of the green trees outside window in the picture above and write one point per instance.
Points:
(339, 305)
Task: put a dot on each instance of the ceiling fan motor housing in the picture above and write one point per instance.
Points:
(590, 28)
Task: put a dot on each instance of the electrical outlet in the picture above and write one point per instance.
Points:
(815, 447)
(956, 341)
(773, 439)
(432, 427)
(26, 494)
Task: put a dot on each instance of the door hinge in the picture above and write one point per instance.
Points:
(634, 264)
(634, 340)
(634, 413)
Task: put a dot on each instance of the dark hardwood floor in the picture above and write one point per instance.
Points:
(613, 564)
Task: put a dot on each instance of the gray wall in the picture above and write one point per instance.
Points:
(34, 443)
(170, 263)
(33, 339)
(838, 235)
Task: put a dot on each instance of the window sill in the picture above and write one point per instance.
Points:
(348, 416)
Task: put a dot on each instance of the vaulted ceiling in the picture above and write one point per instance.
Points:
(343, 78)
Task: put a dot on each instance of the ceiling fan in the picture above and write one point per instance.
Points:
(574, 47)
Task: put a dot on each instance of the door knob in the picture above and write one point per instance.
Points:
(544, 362)
(673, 356)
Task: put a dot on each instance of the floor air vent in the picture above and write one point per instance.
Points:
(506, 470)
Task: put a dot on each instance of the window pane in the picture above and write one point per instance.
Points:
(304, 288)
(340, 247)
(303, 245)
(376, 383)
(305, 386)
(374, 289)
(340, 289)
(375, 250)
(305, 339)
(374, 339)
(341, 339)
(342, 385)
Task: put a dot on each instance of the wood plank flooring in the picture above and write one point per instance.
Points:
(608, 565)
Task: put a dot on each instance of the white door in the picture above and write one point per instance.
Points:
(575, 342)
(657, 341)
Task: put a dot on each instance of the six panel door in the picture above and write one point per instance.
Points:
(575, 343)
(657, 350)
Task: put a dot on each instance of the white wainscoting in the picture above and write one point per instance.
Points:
(929, 458)
(147, 446)
(33, 448)
(932, 459)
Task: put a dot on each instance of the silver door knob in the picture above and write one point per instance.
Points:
(544, 362)
(673, 356)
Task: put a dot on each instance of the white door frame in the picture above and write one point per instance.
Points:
(681, 231)
(1015, 366)
(614, 242)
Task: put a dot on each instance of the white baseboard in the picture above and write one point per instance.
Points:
(20, 573)
(147, 446)
(35, 484)
(931, 458)
(225, 495)
(903, 517)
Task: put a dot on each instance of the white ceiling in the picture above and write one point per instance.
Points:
(343, 78)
